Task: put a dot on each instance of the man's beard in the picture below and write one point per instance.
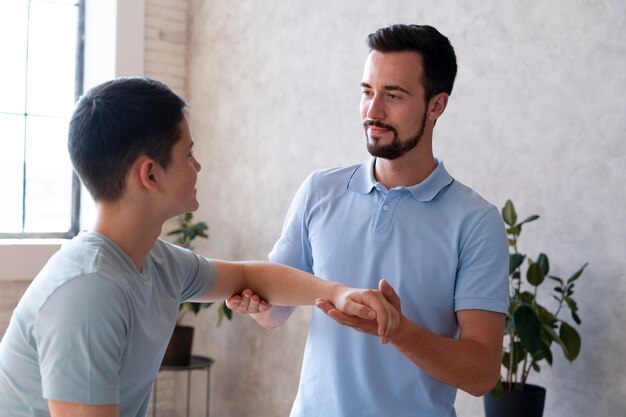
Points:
(397, 147)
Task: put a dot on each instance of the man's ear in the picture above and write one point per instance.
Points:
(147, 170)
(437, 106)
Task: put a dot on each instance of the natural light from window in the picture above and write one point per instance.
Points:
(37, 85)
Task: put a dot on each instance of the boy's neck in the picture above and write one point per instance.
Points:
(134, 231)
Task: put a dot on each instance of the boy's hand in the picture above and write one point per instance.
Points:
(247, 303)
(385, 303)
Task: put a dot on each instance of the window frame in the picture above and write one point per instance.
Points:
(76, 185)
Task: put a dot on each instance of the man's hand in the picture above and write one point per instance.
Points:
(388, 304)
(247, 303)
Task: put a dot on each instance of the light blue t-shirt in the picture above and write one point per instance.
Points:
(439, 244)
(92, 329)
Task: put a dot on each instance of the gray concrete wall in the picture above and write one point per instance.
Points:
(537, 115)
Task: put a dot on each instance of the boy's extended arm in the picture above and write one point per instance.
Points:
(285, 286)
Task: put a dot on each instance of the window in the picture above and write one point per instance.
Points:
(40, 78)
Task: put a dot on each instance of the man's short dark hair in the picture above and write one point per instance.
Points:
(115, 123)
(437, 53)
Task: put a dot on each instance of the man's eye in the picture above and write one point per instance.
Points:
(392, 96)
(366, 93)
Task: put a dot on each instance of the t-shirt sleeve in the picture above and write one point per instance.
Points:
(482, 278)
(293, 248)
(80, 335)
(198, 274)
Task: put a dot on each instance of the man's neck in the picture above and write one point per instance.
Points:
(408, 170)
(133, 230)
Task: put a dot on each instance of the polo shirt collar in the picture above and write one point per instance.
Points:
(363, 181)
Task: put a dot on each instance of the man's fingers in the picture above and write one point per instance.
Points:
(353, 308)
(323, 305)
(390, 293)
(335, 314)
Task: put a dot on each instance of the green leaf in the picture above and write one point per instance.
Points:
(515, 230)
(543, 261)
(529, 219)
(535, 274)
(498, 390)
(576, 318)
(505, 359)
(571, 304)
(550, 335)
(557, 279)
(577, 273)
(546, 353)
(571, 341)
(528, 327)
(508, 213)
(527, 297)
(545, 316)
(515, 260)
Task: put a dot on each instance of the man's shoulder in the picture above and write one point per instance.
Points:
(467, 198)
(329, 178)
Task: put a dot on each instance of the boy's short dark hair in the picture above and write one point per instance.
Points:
(438, 57)
(115, 123)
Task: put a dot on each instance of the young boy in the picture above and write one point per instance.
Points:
(89, 334)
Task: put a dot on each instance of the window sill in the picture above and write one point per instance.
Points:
(22, 259)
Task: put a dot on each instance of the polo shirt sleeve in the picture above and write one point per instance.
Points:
(482, 281)
(294, 248)
(80, 335)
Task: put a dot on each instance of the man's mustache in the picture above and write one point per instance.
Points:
(369, 122)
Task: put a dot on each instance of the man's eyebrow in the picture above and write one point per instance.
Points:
(389, 88)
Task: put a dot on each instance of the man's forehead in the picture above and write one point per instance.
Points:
(393, 68)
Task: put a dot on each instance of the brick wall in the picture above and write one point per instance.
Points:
(166, 43)
(10, 294)
(165, 59)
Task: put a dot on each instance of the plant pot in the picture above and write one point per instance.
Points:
(526, 403)
(178, 352)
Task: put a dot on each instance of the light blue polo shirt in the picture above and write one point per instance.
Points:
(438, 243)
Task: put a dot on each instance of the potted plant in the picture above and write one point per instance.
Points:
(178, 352)
(532, 327)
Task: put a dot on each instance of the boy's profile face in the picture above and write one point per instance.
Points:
(182, 173)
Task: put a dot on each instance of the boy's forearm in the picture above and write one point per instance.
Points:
(281, 285)
(277, 284)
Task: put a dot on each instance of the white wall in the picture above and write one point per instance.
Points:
(537, 115)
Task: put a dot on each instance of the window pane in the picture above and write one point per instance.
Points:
(48, 175)
(51, 68)
(13, 18)
(11, 172)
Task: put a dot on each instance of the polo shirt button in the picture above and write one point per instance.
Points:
(386, 207)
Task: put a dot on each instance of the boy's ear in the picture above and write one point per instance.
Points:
(437, 105)
(148, 173)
